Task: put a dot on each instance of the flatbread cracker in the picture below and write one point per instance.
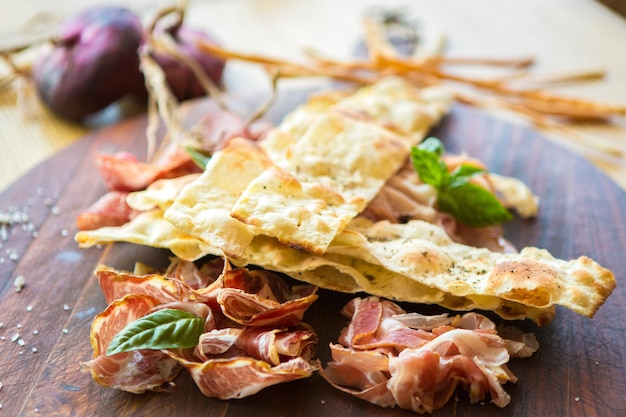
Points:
(348, 274)
(329, 175)
(328, 178)
(149, 229)
(160, 194)
(202, 209)
(424, 253)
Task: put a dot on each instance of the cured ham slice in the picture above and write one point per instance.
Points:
(241, 377)
(116, 284)
(124, 172)
(253, 336)
(136, 371)
(392, 358)
(109, 210)
(404, 197)
(257, 298)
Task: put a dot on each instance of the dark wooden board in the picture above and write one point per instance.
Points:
(578, 370)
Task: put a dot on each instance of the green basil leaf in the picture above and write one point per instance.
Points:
(433, 145)
(472, 205)
(429, 167)
(466, 171)
(163, 329)
(198, 157)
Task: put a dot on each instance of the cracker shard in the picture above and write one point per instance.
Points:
(328, 175)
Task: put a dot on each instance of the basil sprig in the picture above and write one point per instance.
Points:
(469, 203)
(163, 329)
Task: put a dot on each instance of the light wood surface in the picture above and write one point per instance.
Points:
(560, 35)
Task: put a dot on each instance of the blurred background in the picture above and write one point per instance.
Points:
(561, 35)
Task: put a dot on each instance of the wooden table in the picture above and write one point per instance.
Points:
(579, 370)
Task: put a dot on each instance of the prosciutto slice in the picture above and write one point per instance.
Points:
(109, 210)
(136, 371)
(257, 298)
(392, 358)
(124, 172)
(404, 197)
(253, 334)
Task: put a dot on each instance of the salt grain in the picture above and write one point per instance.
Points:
(19, 283)
(65, 331)
(55, 210)
(34, 350)
(15, 337)
(66, 307)
(29, 308)
(577, 399)
(64, 232)
(19, 325)
(21, 342)
(35, 331)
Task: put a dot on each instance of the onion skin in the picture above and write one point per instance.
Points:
(181, 79)
(93, 63)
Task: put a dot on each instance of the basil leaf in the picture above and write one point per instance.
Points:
(429, 167)
(472, 205)
(198, 157)
(466, 171)
(433, 145)
(167, 328)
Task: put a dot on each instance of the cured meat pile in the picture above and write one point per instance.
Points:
(253, 334)
(392, 358)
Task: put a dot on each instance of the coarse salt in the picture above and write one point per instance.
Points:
(19, 283)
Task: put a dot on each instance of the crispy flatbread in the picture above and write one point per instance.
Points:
(328, 159)
(418, 262)
(348, 274)
(160, 194)
(327, 178)
(149, 229)
(202, 209)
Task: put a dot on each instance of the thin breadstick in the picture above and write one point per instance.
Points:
(539, 120)
(589, 74)
(522, 62)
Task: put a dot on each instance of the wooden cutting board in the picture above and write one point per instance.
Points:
(579, 369)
